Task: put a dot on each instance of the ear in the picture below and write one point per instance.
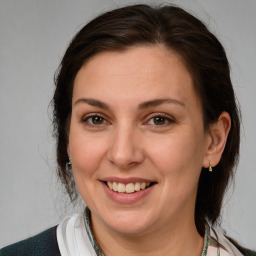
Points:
(217, 137)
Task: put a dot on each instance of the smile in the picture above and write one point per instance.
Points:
(127, 188)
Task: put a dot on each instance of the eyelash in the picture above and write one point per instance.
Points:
(94, 115)
(166, 118)
(163, 116)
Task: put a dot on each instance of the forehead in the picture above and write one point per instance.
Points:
(143, 71)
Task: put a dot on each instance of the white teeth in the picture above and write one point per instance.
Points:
(143, 185)
(121, 187)
(110, 184)
(137, 186)
(128, 188)
(114, 186)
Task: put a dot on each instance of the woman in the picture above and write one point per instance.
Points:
(147, 129)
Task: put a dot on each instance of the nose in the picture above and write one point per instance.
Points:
(126, 149)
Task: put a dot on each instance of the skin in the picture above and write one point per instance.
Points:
(128, 141)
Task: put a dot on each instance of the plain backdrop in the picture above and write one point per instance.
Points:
(33, 37)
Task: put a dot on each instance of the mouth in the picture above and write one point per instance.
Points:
(128, 188)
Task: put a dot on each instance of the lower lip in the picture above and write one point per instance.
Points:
(127, 198)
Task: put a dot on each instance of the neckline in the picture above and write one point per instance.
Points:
(87, 218)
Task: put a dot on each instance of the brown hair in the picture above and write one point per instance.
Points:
(204, 57)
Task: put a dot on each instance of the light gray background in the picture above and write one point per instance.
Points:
(33, 37)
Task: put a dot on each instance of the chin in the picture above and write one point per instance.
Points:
(128, 223)
(126, 228)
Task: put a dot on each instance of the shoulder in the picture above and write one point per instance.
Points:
(43, 244)
(243, 250)
(226, 246)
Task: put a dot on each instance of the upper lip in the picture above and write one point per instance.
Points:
(126, 180)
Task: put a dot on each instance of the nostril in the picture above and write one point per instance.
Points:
(125, 151)
(126, 160)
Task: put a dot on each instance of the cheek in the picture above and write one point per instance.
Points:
(178, 170)
(178, 156)
(86, 153)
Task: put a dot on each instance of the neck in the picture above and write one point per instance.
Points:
(165, 240)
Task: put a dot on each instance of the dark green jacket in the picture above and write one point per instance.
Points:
(43, 244)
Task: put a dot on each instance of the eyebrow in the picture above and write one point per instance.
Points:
(157, 102)
(93, 102)
(144, 105)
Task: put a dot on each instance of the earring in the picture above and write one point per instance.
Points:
(68, 165)
(70, 173)
(210, 167)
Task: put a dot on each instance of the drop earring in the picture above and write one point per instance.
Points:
(69, 173)
(210, 167)
(69, 164)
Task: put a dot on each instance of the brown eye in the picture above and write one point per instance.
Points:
(95, 120)
(159, 120)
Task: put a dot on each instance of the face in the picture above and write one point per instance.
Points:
(137, 140)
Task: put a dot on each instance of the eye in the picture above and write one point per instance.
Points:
(160, 120)
(94, 120)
